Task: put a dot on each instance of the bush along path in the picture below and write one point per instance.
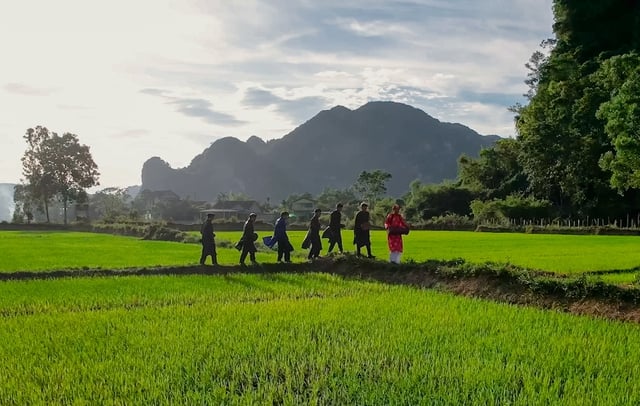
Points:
(498, 282)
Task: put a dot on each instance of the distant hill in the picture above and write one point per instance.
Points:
(329, 150)
(6, 201)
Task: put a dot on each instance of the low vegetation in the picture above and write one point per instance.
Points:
(298, 339)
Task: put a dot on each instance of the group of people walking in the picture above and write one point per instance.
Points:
(394, 224)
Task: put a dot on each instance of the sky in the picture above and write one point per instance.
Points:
(135, 79)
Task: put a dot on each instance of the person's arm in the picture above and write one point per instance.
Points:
(387, 221)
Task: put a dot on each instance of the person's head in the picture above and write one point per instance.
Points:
(284, 215)
(339, 206)
(210, 216)
(396, 208)
(253, 216)
(364, 206)
(317, 212)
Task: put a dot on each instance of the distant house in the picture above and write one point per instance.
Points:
(303, 208)
(233, 208)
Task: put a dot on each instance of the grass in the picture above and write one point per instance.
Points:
(293, 339)
(38, 251)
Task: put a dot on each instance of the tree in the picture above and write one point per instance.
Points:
(622, 117)
(496, 173)
(109, 203)
(57, 166)
(562, 139)
(426, 201)
(231, 196)
(372, 185)
(38, 180)
(25, 206)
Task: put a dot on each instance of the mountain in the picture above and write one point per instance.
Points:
(329, 150)
(6, 201)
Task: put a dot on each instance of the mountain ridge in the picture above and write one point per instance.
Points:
(328, 150)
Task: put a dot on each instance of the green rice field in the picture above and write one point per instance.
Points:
(39, 251)
(300, 339)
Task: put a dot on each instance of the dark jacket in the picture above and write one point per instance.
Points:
(207, 232)
(361, 229)
(335, 224)
(248, 237)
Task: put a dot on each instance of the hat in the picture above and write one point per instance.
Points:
(253, 215)
(317, 211)
(364, 204)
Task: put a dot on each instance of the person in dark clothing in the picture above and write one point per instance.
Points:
(208, 241)
(281, 238)
(314, 236)
(335, 227)
(248, 240)
(361, 237)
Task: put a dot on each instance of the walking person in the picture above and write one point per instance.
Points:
(335, 229)
(396, 227)
(208, 241)
(361, 227)
(281, 238)
(248, 240)
(313, 236)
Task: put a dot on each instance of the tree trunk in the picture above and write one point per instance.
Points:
(46, 209)
(64, 204)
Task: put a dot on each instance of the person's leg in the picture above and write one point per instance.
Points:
(280, 252)
(339, 241)
(332, 244)
(214, 256)
(203, 255)
(369, 250)
(243, 255)
(252, 255)
(394, 257)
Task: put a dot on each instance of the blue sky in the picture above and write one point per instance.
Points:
(136, 79)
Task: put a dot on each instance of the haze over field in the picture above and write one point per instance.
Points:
(142, 79)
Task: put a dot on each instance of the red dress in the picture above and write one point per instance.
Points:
(394, 241)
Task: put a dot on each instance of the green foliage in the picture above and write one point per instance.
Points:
(496, 173)
(513, 207)
(164, 206)
(562, 138)
(622, 116)
(426, 201)
(329, 197)
(449, 222)
(109, 204)
(163, 233)
(56, 166)
(371, 186)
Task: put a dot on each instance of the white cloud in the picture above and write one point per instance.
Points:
(80, 66)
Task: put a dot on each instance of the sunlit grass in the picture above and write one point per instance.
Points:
(38, 251)
(293, 339)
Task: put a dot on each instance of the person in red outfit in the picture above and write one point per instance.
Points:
(396, 227)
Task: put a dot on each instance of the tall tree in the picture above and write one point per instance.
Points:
(56, 165)
(372, 185)
(496, 173)
(561, 136)
(621, 113)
